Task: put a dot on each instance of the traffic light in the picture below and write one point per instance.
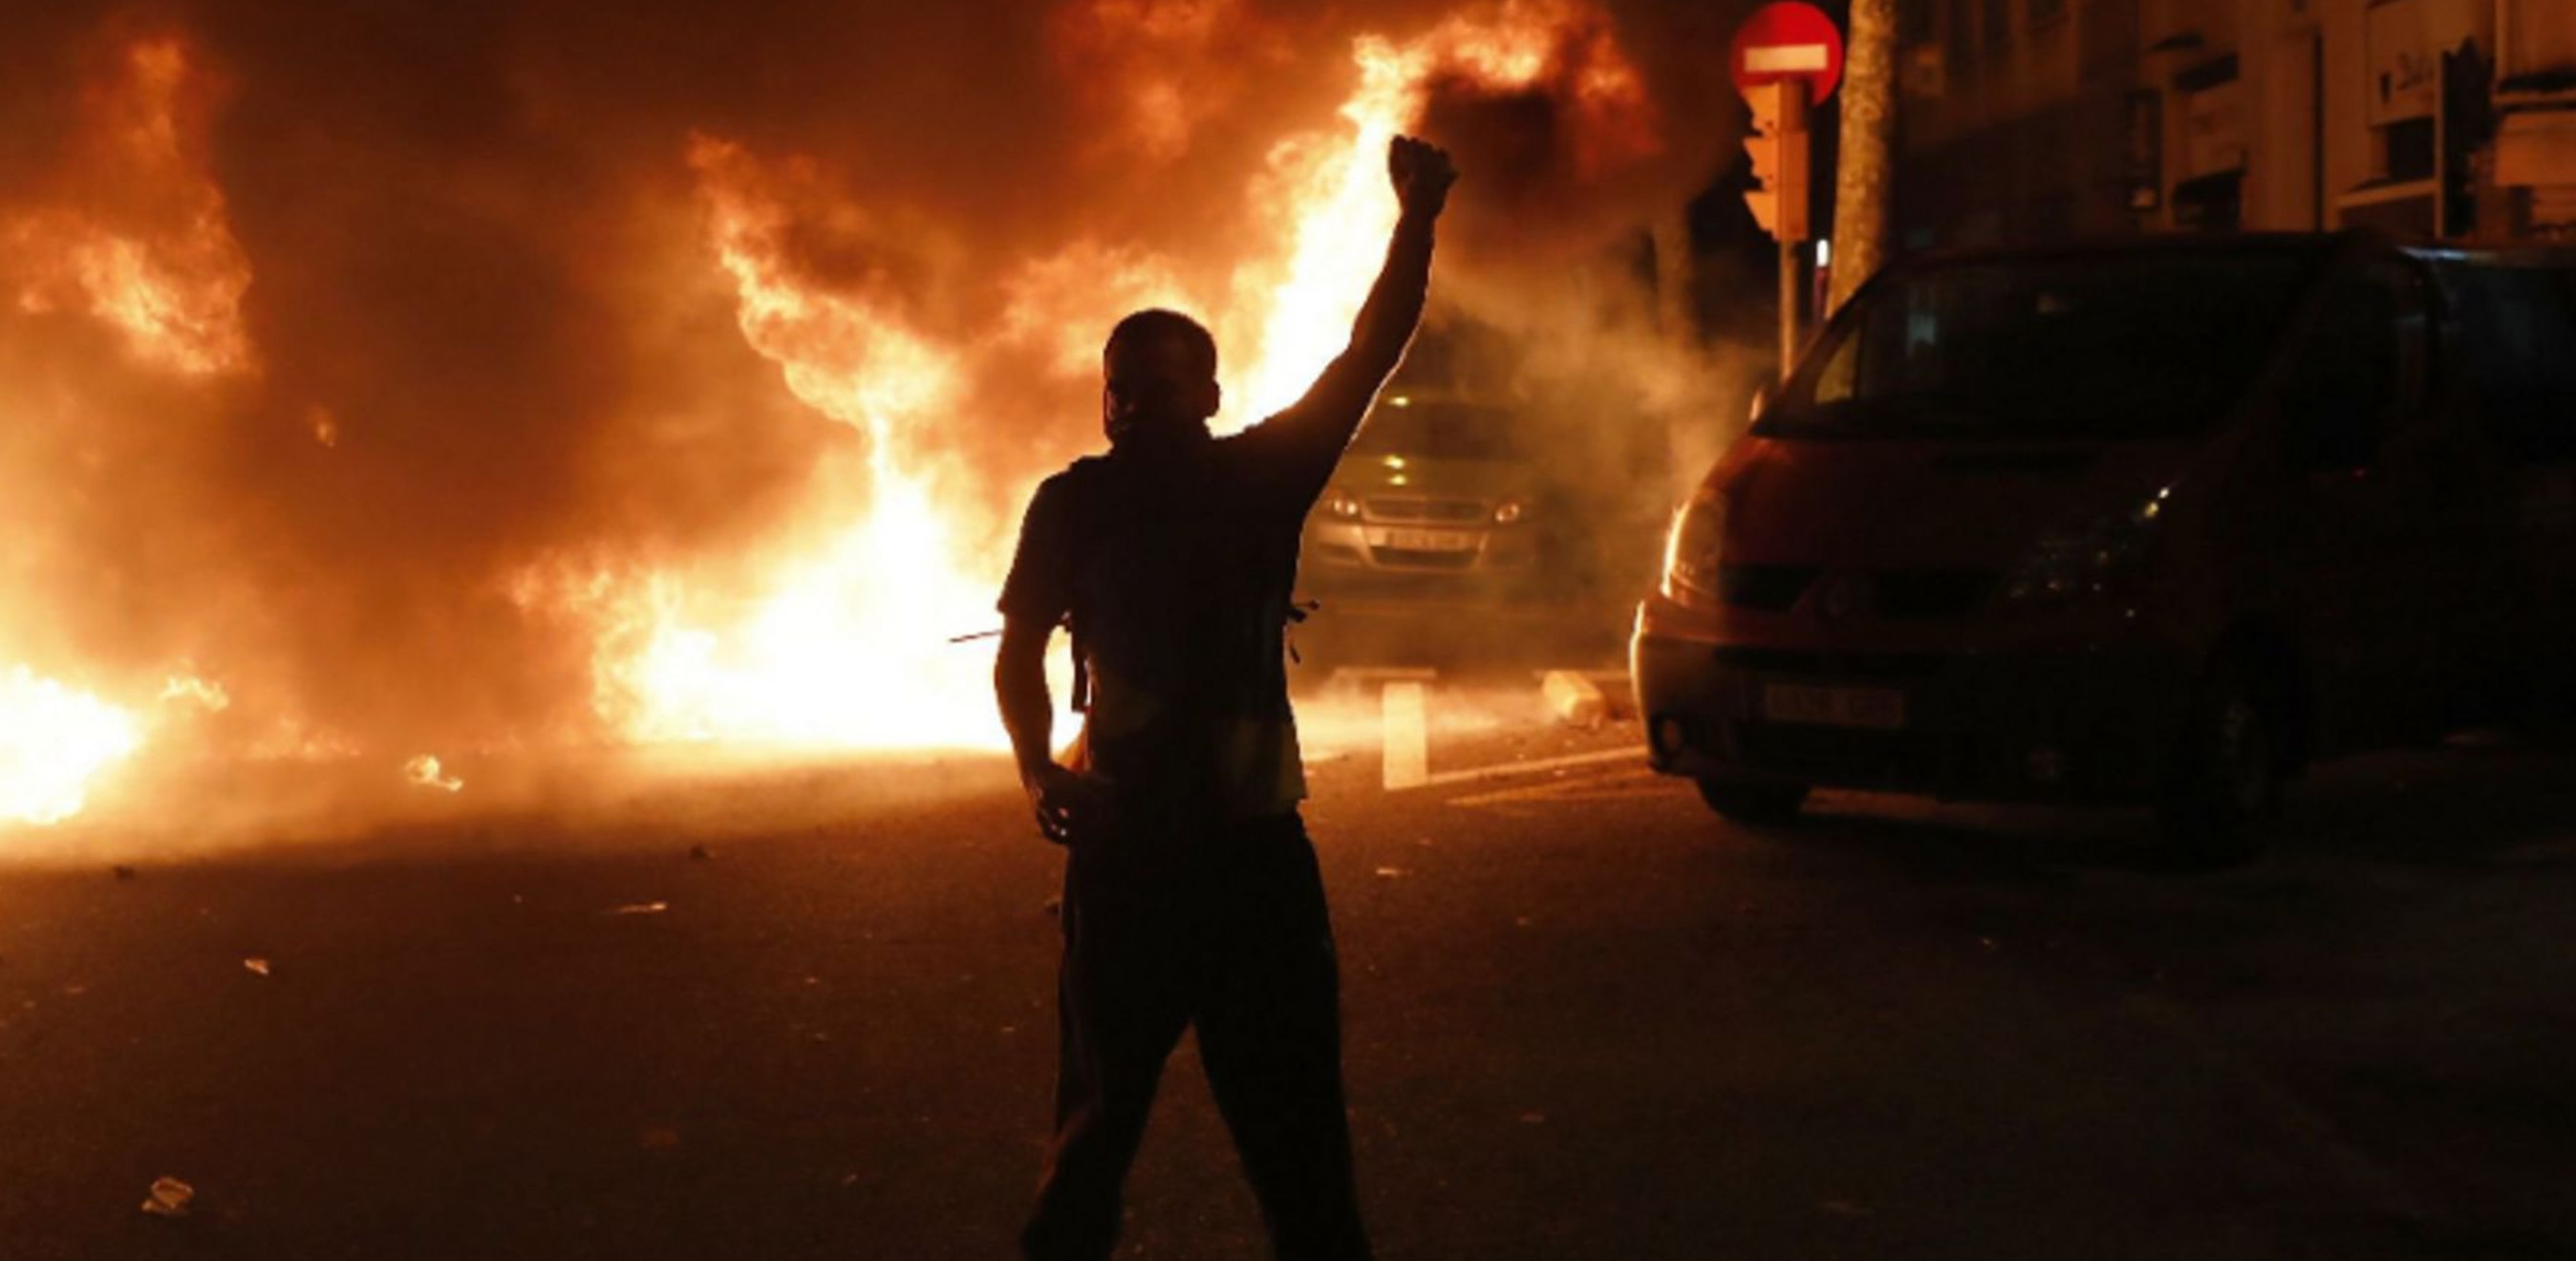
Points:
(1777, 143)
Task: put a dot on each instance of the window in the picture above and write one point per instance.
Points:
(1915, 22)
(2080, 346)
(2518, 350)
(1440, 430)
(2360, 365)
(1961, 46)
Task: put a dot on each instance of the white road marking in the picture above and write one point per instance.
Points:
(1408, 736)
(1633, 784)
(1507, 770)
(2285, 1110)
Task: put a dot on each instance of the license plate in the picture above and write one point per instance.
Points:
(1430, 540)
(1879, 707)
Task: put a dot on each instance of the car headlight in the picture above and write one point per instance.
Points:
(1508, 511)
(1691, 548)
(2087, 558)
(1341, 503)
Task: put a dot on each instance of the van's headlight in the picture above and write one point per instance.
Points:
(2089, 557)
(1691, 549)
(1508, 511)
(1341, 503)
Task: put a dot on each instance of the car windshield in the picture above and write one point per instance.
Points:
(2142, 345)
(1439, 430)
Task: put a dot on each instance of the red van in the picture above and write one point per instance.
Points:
(2156, 522)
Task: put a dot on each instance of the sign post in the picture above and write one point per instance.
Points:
(1786, 58)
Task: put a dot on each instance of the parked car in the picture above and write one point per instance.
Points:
(2154, 522)
(1435, 499)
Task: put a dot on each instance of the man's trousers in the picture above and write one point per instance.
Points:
(1222, 928)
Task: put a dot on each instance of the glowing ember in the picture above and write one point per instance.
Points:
(182, 689)
(425, 771)
(54, 744)
(157, 260)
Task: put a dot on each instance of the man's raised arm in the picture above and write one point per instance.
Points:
(1321, 424)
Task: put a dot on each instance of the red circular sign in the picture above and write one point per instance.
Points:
(1788, 40)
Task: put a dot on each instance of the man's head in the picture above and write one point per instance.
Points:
(1158, 377)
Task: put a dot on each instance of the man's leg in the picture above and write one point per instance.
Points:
(1270, 1038)
(1121, 1007)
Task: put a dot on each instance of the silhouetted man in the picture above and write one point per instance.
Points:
(1191, 894)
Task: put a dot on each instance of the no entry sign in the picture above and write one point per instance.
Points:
(1789, 40)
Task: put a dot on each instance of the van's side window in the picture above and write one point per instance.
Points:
(2361, 365)
(2517, 335)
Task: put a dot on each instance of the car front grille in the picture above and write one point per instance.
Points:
(1930, 592)
(1836, 666)
(1770, 587)
(1911, 758)
(1425, 508)
(1890, 593)
(1407, 558)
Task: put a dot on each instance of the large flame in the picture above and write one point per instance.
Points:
(132, 231)
(54, 742)
(837, 636)
(1332, 186)
(846, 646)
(849, 644)
(149, 249)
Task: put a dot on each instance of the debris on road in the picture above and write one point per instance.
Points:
(1576, 700)
(642, 908)
(123, 872)
(168, 1198)
(698, 853)
(256, 965)
(1390, 873)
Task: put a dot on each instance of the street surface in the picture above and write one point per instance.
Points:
(1585, 1020)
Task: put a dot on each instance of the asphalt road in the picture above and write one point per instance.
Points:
(1585, 1020)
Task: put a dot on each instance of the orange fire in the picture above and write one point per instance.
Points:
(148, 247)
(132, 232)
(848, 645)
(844, 638)
(54, 742)
(1333, 185)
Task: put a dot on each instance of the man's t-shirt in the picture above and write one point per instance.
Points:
(1175, 566)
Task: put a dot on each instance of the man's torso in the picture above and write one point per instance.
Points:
(1181, 571)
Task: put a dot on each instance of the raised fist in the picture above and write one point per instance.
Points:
(1422, 174)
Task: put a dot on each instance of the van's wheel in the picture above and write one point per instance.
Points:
(2224, 783)
(1753, 804)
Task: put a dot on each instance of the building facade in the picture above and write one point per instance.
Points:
(2040, 119)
